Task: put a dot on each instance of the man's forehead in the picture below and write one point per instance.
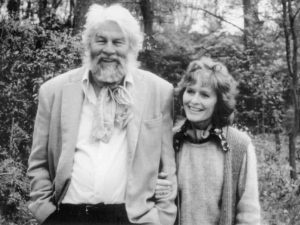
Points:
(109, 26)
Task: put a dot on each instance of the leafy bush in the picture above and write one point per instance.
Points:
(279, 195)
(260, 72)
(31, 54)
(14, 189)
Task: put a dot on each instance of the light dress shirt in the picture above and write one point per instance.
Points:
(99, 173)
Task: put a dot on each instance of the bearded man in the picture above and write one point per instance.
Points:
(103, 133)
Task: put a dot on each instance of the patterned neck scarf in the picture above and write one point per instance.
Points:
(113, 109)
(183, 131)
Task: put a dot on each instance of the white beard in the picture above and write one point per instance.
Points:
(110, 72)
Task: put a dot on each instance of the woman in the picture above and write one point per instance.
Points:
(216, 163)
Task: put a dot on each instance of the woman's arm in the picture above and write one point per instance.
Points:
(248, 208)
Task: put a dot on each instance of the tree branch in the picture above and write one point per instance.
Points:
(212, 14)
(297, 13)
(57, 4)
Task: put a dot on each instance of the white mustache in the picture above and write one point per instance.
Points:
(102, 59)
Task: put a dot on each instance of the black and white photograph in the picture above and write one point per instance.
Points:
(150, 112)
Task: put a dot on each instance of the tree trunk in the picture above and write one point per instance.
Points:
(292, 156)
(291, 42)
(277, 139)
(29, 11)
(13, 8)
(42, 10)
(148, 16)
(81, 8)
(70, 19)
(294, 132)
(251, 21)
(263, 129)
(55, 4)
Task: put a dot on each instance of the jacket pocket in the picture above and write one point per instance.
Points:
(157, 121)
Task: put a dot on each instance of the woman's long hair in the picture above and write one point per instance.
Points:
(220, 80)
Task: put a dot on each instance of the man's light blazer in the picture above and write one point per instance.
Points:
(149, 139)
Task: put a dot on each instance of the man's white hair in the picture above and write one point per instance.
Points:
(98, 14)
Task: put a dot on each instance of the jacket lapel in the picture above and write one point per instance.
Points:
(139, 98)
(72, 99)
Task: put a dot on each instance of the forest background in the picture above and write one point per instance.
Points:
(256, 39)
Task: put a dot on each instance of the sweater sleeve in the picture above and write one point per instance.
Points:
(248, 208)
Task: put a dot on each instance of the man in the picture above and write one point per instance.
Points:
(103, 133)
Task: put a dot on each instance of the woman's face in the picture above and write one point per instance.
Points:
(199, 101)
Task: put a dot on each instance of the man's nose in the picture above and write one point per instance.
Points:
(109, 49)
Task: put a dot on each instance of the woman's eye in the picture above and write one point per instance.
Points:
(205, 95)
(190, 91)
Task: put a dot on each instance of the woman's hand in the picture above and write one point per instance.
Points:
(163, 186)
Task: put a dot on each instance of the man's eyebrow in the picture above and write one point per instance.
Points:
(99, 36)
(120, 38)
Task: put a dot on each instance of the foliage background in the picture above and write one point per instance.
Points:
(32, 53)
